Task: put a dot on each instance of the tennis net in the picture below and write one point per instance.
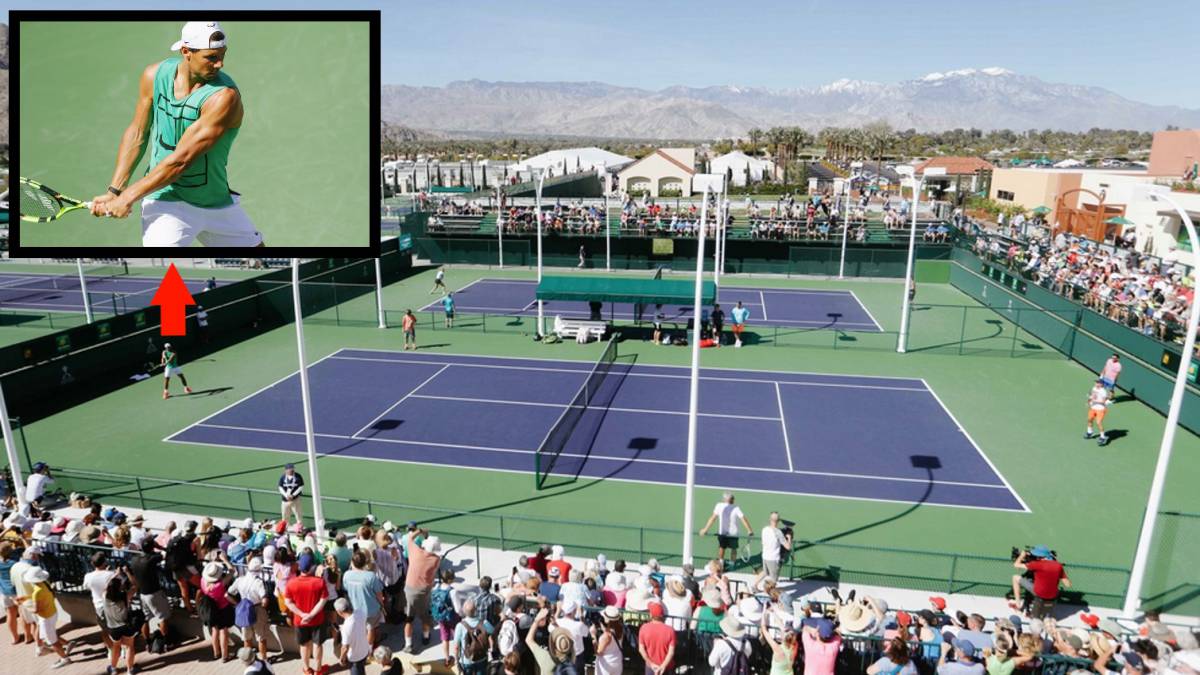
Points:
(556, 439)
(33, 287)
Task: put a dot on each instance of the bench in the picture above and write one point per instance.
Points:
(571, 328)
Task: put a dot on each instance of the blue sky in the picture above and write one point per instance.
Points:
(1147, 55)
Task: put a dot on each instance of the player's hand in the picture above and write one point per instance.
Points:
(100, 204)
(119, 207)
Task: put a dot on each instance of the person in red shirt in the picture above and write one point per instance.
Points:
(557, 562)
(305, 597)
(538, 562)
(1048, 573)
(409, 325)
(656, 642)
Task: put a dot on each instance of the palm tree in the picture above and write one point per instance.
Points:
(756, 137)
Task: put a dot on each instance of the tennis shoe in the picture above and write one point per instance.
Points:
(1102, 441)
(187, 390)
(61, 662)
(166, 395)
(1088, 435)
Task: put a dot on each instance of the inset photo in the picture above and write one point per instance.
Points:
(230, 132)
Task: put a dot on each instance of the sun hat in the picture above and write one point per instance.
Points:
(212, 572)
(1117, 630)
(601, 560)
(732, 627)
(198, 35)
(433, 545)
(750, 610)
(712, 597)
(675, 586)
(562, 645)
(855, 618)
(60, 526)
(638, 600)
(73, 529)
(42, 529)
(611, 613)
(903, 618)
(37, 575)
(556, 552)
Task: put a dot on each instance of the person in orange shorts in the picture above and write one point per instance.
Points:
(1098, 401)
(738, 316)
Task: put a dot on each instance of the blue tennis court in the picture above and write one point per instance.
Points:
(62, 292)
(795, 308)
(854, 437)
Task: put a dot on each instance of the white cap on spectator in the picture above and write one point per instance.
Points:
(433, 545)
(248, 524)
(37, 575)
(556, 552)
(255, 565)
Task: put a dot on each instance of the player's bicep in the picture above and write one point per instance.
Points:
(220, 113)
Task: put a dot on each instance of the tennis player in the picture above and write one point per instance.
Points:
(738, 315)
(188, 112)
(170, 363)
(439, 281)
(1098, 402)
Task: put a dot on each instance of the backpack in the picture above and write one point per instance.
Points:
(244, 614)
(441, 607)
(488, 606)
(177, 552)
(566, 668)
(740, 665)
(476, 643)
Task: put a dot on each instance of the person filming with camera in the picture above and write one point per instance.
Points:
(776, 542)
(1048, 574)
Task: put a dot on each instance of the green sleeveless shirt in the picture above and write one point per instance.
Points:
(204, 183)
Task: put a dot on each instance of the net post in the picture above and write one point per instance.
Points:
(337, 314)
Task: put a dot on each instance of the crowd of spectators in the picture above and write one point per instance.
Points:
(546, 616)
(1138, 291)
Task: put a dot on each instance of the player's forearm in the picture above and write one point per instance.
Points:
(166, 172)
(133, 146)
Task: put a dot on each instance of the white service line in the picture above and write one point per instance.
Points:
(402, 399)
(787, 445)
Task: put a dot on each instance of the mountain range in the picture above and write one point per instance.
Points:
(987, 98)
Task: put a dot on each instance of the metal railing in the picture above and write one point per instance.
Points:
(831, 561)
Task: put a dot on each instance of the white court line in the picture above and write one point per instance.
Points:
(590, 363)
(869, 315)
(605, 408)
(764, 305)
(669, 462)
(787, 445)
(636, 374)
(246, 397)
(977, 448)
(626, 480)
(402, 400)
(433, 304)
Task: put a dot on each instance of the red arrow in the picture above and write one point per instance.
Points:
(173, 297)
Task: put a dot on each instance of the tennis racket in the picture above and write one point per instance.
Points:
(40, 204)
(744, 551)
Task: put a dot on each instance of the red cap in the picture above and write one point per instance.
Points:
(656, 610)
(903, 618)
(938, 602)
(1090, 619)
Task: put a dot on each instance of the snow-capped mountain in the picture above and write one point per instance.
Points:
(985, 98)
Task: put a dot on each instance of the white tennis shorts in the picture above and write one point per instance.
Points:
(172, 223)
(168, 371)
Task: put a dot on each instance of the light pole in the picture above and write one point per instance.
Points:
(918, 185)
(1141, 557)
(846, 219)
(537, 214)
(500, 222)
(607, 237)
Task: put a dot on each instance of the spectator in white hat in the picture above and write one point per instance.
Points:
(251, 588)
(42, 599)
(423, 564)
(557, 562)
(568, 618)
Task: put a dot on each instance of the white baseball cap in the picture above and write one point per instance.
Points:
(198, 35)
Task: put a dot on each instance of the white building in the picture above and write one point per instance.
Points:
(737, 166)
(666, 170)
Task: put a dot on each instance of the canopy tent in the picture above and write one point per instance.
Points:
(1119, 220)
(1042, 210)
(620, 289)
(574, 159)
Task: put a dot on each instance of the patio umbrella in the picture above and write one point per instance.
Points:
(1042, 209)
(1119, 220)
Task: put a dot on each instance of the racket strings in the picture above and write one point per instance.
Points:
(36, 202)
